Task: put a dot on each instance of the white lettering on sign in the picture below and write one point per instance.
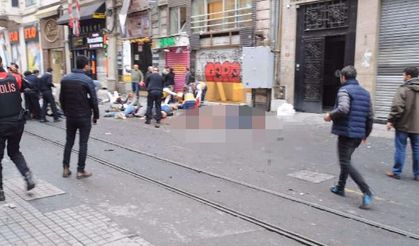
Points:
(92, 46)
(95, 40)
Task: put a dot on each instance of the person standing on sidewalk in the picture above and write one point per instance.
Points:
(45, 86)
(78, 99)
(154, 84)
(136, 77)
(352, 122)
(404, 117)
(12, 122)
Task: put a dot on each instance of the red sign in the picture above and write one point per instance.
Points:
(14, 37)
(222, 72)
(30, 33)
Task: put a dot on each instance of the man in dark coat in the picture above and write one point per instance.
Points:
(154, 84)
(46, 90)
(32, 95)
(79, 102)
(352, 122)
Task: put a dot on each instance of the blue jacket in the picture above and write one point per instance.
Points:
(78, 96)
(352, 116)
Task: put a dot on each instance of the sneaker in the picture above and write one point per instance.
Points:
(392, 175)
(148, 122)
(367, 200)
(338, 191)
(157, 125)
(29, 181)
(82, 175)
(2, 197)
(66, 172)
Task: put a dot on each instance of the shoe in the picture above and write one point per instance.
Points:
(66, 172)
(2, 197)
(57, 120)
(148, 122)
(392, 175)
(338, 191)
(367, 200)
(82, 175)
(29, 181)
(44, 120)
(157, 125)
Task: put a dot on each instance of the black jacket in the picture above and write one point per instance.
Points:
(78, 96)
(154, 82)
(10, 100)
(32, 82)
(170, 79)
(45, 82)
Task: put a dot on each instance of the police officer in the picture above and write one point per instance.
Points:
(11, 125)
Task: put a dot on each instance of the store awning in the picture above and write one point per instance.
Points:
(94, 10)
(47, 12)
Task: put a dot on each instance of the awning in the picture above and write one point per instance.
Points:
(47, 12)
(94, 10)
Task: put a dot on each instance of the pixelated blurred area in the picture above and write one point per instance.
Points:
(227, 124)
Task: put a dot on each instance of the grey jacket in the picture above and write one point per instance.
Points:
(405, 108)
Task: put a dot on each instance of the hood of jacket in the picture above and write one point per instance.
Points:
(413, 84)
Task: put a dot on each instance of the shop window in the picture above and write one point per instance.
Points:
(29, 3)
(177, 19)
(15, 3)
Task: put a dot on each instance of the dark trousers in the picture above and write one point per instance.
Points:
(32, 104)
(12, 133)
(84, 126)
(346, 147)
(154, 98)
(49, 99)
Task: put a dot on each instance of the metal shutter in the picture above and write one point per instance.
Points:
(178, 59)
(399, 48)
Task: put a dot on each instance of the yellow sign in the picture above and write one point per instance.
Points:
(99, 16)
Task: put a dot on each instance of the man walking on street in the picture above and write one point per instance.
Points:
(404, 117)
(32, 95)
(46, 89)
(78, 99)
(352, 122)
(136, 77)
(154, 84)
(12, 123)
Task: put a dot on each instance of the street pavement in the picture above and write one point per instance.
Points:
(263, 180)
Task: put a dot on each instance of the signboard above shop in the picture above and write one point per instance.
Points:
(14, 37)
(30, 33)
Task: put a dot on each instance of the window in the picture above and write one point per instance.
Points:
(213, 15)
(177, 19)
(29, 3)
(15, 3)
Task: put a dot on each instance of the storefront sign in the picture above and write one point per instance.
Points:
(30, 33)
(14, 37)
(167, 42)
(51, 31)
(99, 16)
(95, 41)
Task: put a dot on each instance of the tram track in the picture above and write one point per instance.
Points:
(266, 225)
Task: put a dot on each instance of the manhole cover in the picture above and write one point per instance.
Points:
(310, 176)
(43, 189)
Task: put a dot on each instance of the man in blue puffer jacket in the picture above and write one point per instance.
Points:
(352, 122)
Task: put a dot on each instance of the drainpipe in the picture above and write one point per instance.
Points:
(276, 45)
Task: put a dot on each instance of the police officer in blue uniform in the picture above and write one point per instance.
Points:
(12, 122)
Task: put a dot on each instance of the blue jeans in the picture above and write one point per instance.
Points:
(400, 155)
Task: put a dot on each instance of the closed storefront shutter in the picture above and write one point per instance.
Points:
(178, 59)
(399, 48)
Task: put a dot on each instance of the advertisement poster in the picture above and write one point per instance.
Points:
(33, 52)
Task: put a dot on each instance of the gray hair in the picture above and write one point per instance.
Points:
(349, 72)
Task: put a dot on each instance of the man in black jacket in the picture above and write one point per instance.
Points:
(154, 84)
(32, 95)
(45, 86)
(12, 123)
(78, 99)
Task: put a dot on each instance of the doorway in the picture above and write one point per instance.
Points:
(334, 59)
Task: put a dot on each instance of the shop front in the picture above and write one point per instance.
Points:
(16, 52)
(176, 54)
(91, 41)
(53, 49)
(220, 68)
